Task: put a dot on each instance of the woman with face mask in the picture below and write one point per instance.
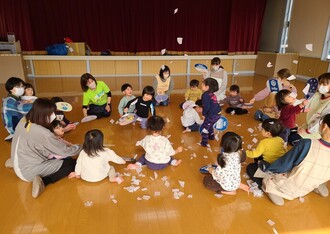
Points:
(303, 169)
(318, 106)
(220, 75)
(163, 84)
(13, 108)
(33, 142)
(97, 97)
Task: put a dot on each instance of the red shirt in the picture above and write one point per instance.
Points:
(288, 115)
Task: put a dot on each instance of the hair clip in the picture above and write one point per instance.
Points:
(271, 122)
(163, 67)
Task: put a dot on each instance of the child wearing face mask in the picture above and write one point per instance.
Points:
(319, 106)
(218, 73)
(13, 109)
(163, 84)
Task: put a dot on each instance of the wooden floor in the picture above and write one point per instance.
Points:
(62, 207)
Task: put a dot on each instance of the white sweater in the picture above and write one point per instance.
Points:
(190, 117)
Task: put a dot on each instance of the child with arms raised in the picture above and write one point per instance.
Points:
(93, 161)
(159, 150)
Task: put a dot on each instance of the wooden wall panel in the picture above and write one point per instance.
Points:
(133, 81)
(244, 82)
(11, 65)
(261, 64)
(153, 67)
(126, 67)
(98, 67)
(312, 67)
(147, 80)
(47, 67)
(286, 61)
(180, 82)
(245, 65)
(110, 81)
(75, 67)
(47, 85)
(71, 84)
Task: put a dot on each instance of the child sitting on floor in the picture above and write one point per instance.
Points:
(159, 150)
(235, 101)
(93, 161)
(226, 178)
(29, 93)
(60, 116)
(190, 119)
(193, 93)
(57, 129)
(127, 91)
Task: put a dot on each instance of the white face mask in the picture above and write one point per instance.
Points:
(323, 89)
(215, 68)
(18, 91)
(92, 85)
(52, 117)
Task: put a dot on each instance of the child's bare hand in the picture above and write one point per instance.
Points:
(252, 100)
(179, 149)
(305, 102)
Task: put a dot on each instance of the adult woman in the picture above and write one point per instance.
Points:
(33, 142)
(97, 97)
(306, 167)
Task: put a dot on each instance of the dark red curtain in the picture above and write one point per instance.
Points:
(128, 25)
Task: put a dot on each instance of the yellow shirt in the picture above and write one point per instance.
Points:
(270, 149)
(193, 95)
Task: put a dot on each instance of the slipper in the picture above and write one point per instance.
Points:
(204, 170)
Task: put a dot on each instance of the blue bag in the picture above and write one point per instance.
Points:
(57, 49)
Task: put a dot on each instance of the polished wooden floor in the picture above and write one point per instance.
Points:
(62, 207)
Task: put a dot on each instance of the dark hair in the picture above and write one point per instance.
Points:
(84, 79)
(55, 124)
(230, 142)
(199, 103)
(56, 99)
(13, 82)
(93, 142)
(324, 78)
(326, 120)
(194, 83)
(234, 88)
(125, 86)
(273, 126)
(216, 61)
(155, 123)
(161, 71)
(148, 90)
(284, 73)
(280, 98)
(30, 86)
(212, 83)
(40, 112)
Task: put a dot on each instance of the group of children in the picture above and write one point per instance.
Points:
(277, 116)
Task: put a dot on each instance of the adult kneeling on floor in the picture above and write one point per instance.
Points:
(303, 169)
(33, 142)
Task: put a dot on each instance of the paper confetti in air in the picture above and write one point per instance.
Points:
(177, 193)
(163, 67)
(250, 130)
(182, 141)
(181, 183)
(309, 47)
(112, 121)
(155, 175)
(269, 64)
(135, 156)
(295, 61)
(141, 175)
(135, 181)
(117, 122)
(114, 201)
(190, 196)
(292, 77)
(156, 194)
(176, 11)
(301, 199)
(179, 40)
(270, 222)
(163, 51)
(218, 195)
(88, 203)
(144, 189)
(167, 184)
(254, 140)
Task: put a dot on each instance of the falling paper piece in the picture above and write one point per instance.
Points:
(254, 140)
(163, 51)
(301, 199)
(135, 156)
(284, 46)
(269, 64)
(250, 130)
(181, 183)
(88, 203)
(156, 175)
(163, 67)
(218, 195)
(185, 55)
(117, 122)
(171, 62)
(176, 11)
(295, 61)
(292, 77)
(179, 40)
(141, 175)
(112, 121)
(114, 201)
(216, 137)
(309, 47)
(127, 174)
(270, 222)
(156, 194)
(144, 189)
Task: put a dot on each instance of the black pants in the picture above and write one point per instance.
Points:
(99, 111)
(66, 168)
(238, 111)
(251, 170)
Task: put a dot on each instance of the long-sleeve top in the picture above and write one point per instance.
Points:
(193, 95)
(269, 148)
(13, 107)
(190, 117)
(233, 101)
(288, 115)
(31, 146)
(162, 86)
(221, 77)
(265, 92)
(142, 107)
(123, 102)
(158, 149)
(98, 96)
(229, 177)
(211, 106)
(94, 169)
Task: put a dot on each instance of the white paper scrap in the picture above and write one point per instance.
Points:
(138, 170)
(295, 61)
(88, 203)
(239, 125)
(250, 130)
(144, 189)
(112, 196)
(167, 184)
(249, 146)
(190, 196)
(181, 183)
(218, 195)
(112, 121)
(270, 222)
(275, 231)
(114, 201)
(254, 140)
(269, 64)
(292, 77)
(179, 40)
(176, 11)
(168, 120)
(205, 156)
(155, 175)
(164, 178)
(301, 199)
(309, 47)
(232, 112)
(139, 198)
(209, 149)
(216, 137)
(157, 193)
(151, 178)
(145, 197)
